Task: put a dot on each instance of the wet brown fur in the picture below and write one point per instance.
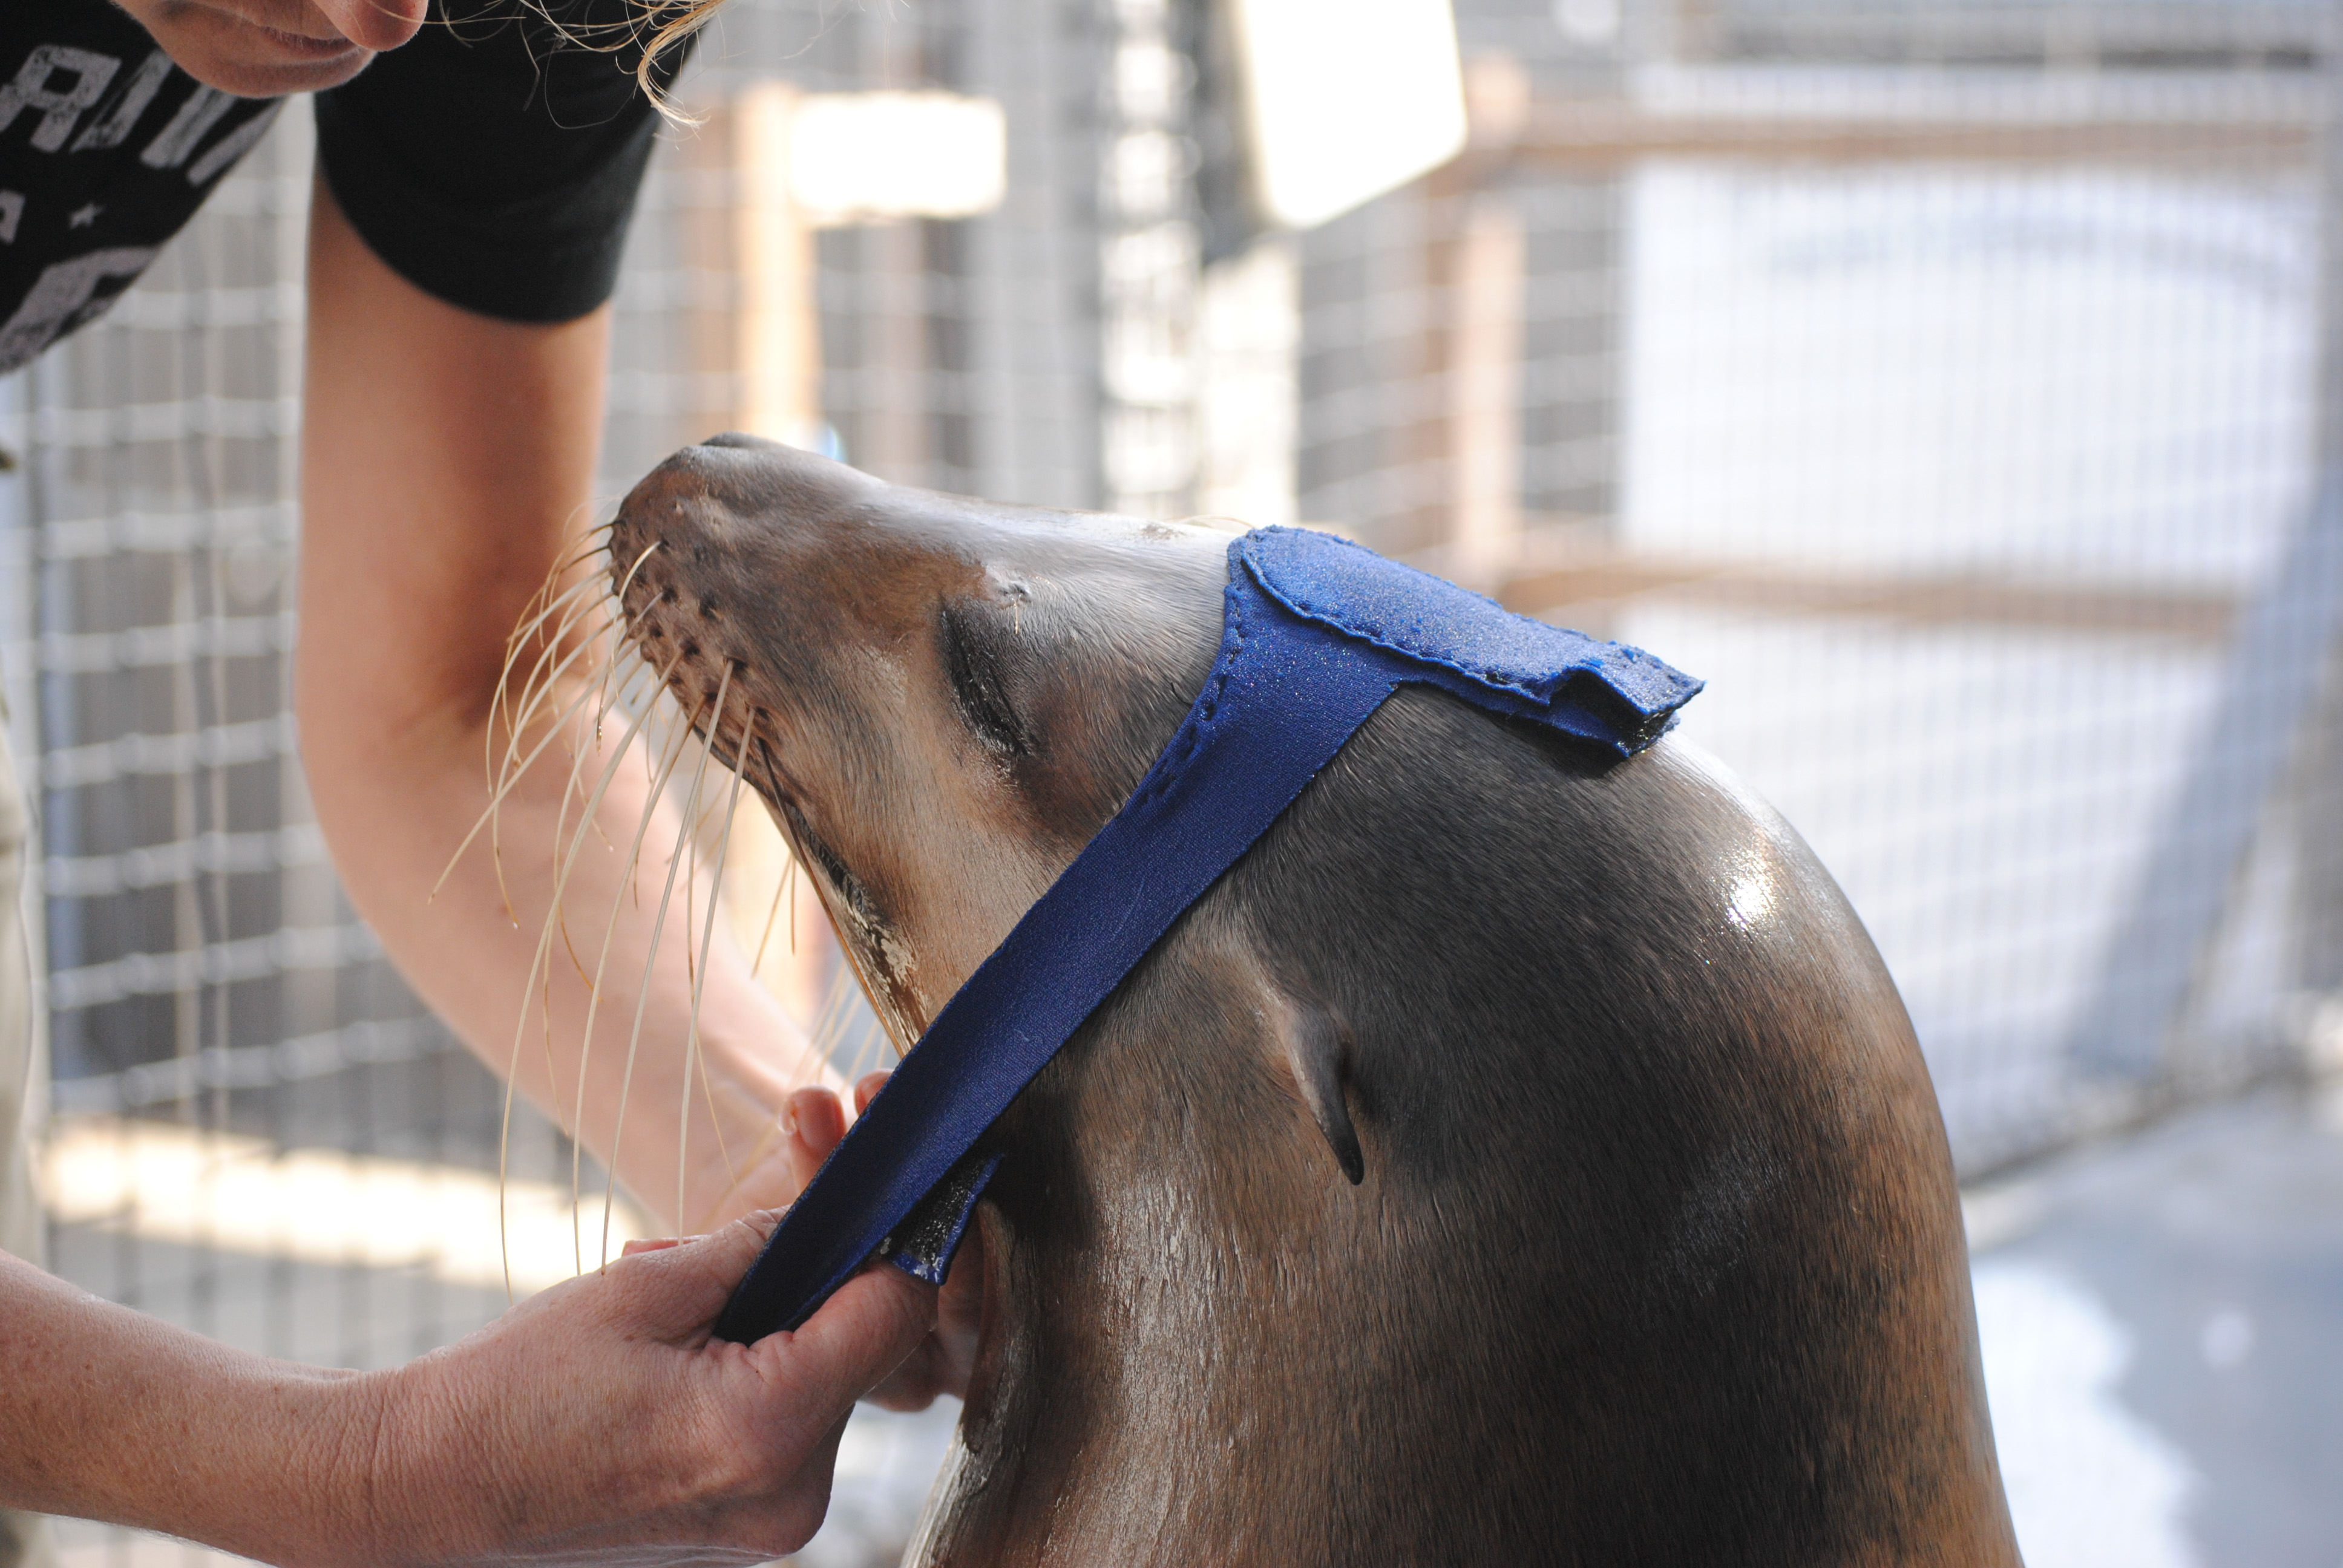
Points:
(1653, 1253)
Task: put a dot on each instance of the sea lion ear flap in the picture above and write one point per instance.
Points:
(1317, 1049)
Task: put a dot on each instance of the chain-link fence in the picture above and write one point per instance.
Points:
(1952, 386)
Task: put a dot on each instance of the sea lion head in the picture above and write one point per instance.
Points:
(1521, 1154)
(941, 700)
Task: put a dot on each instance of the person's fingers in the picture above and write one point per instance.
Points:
(867, 1089)
(815, 1123)
(649, 1244)
(818, 1119)
(861, 1334)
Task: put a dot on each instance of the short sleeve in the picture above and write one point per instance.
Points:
(493, 160)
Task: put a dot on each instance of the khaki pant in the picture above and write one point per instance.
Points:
(24, 1095)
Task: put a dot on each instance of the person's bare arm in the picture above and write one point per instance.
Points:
(447, 467)
(595, 1421)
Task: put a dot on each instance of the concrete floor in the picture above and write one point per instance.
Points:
(2163, 1329)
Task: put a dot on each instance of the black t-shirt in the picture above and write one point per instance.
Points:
(489, 162)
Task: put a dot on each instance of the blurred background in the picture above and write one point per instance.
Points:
(1957, 387)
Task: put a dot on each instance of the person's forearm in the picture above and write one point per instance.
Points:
(598, 1421)
(447, 467)
(107, 1414)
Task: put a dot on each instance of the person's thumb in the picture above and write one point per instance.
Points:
(863, 1332)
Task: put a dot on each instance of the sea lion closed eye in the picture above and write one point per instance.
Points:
(1519, 1155)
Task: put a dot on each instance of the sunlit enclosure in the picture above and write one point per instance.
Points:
(1958, 388)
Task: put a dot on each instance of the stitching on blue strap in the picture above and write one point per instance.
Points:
(1203, 714)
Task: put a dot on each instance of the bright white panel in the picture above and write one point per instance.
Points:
(1347, 99)
(860, 156)
(2089, 374)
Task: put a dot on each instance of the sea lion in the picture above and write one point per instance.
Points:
(1521, 1155)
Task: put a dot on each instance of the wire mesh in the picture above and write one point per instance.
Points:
(1952, 386)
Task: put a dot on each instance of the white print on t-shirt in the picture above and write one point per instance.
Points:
(60, 300)
(114, 129)
(63, 100)
(231, 146)
(58, 108)
(198, 115)
(85, 74)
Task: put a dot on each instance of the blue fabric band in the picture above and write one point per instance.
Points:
(1317, 632)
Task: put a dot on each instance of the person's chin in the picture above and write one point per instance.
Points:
(260, 63)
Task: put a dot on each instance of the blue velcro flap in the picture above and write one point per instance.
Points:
(1358, 593)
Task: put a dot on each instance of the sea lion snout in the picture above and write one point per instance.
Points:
(941, 699)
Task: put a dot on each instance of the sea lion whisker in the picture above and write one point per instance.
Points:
(781, 886)
(874, 1048)
(572, 639)
(767, 1136)
(585, 745)
(697, 816)
(520, 1027)
(516, 718)
(870, 1042)
(540, 610)
(543, 605)
(642, 996)
(773, 783)
(489, 815)
(622, 623)
(830, 1024)
(694, 821)
(552, 662)
(547, 605)
(632, 681)
(530, 611)
(674, 751)
(591, 542)
(626, 683)
(691, 1058)
(828, 1033)
(623, 652)
(569, 789)
(549, 595)
(557, 730)
(627, 582)
(623, 655)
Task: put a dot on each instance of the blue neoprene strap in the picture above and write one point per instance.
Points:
(1316, 634)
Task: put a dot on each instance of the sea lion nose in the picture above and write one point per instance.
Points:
(737, 439)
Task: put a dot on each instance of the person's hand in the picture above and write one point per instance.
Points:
(600, 1421)
(810, 1126)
